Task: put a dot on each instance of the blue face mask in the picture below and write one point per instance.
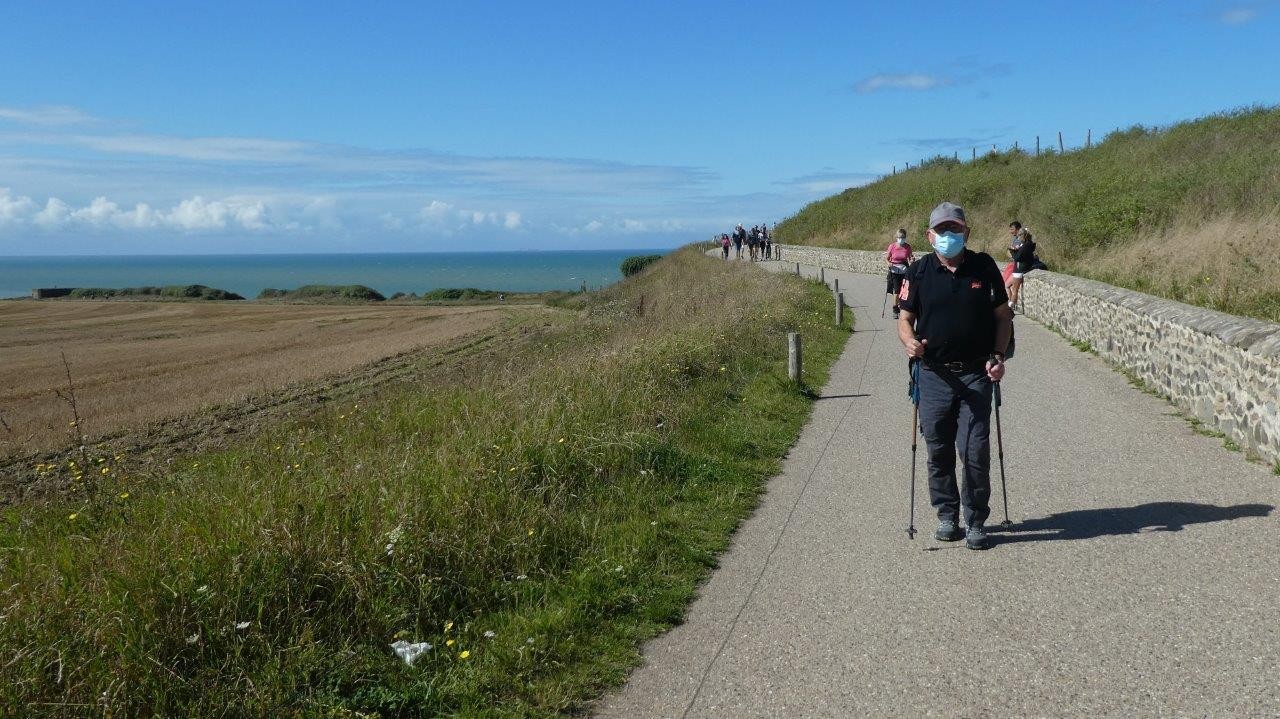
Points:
(949, 244)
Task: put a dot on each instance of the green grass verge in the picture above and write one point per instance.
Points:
(534, 518)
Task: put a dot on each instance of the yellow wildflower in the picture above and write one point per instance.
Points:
(124, 495)
(72, 516)
(106, 470)
(448, 642)
(465, 653)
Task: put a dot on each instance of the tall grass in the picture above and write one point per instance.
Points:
(1159, 189)
(533, 519)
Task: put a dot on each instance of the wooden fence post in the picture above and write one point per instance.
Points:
(836, 288)
(1061, 150)
(794, 357)
(1037, 145)
(1088, 138)
(975, 153)
(839, 309)
(797, 269)
(822, 275)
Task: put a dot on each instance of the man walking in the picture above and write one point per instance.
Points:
(955, 320)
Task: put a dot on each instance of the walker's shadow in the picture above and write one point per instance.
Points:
(1152, 517)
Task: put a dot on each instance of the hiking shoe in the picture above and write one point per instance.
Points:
(948, 531)
(976, 537)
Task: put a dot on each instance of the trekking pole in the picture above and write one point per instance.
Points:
(884, 305)
(914, 391)
(1004, 490)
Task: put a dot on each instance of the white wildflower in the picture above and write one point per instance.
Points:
(193, 638)
(393, 537)
(202, 589)
(243, 625)
(521, 577)
(489, 634)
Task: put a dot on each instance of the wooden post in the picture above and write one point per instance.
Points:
(836, 288)
(1037, 145)
(839, 309)
(797, 269)
(1061, 150)
(957, 155)
(1015, 144)
(895, 169)
(1088, 138)
(822, 275)
(975, 153)
(794, 356)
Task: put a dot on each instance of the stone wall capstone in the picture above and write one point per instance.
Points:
(1221, 369)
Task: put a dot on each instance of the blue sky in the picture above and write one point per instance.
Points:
(164, 127)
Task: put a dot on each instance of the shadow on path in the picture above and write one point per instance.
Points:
(1155, 517)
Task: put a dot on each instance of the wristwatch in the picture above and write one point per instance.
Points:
(997, 357)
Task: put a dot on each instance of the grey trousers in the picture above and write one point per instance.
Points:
(955, 415)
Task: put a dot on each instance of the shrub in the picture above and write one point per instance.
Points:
(636, 263)
(93, 292)
(324, 292)
(465, 293)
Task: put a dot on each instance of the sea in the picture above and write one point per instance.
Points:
(246, 275)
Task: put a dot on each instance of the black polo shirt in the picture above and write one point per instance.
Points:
(955, 311)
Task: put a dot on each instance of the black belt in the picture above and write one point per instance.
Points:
(958, 367)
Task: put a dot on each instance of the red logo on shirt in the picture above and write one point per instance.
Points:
(975, 285)
(906, 285)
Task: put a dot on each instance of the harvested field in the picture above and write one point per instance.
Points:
(137, 362)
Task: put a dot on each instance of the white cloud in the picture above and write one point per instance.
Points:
(443, 216)
(55, 214)
(593, 226)
(1238, 15)
(192, 214)
(198, 213)
(909, 81)
(45, 115)
(436, 212)
(13, 209)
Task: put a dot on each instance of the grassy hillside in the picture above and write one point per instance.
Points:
(533, 517)
(1188, 212)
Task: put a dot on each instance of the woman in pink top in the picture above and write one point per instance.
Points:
(898, 256)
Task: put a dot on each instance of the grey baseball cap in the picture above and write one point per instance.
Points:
(947, 212)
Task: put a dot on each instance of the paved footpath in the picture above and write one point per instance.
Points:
(1141, 577)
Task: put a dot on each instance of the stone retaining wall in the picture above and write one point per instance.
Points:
(1221, 369)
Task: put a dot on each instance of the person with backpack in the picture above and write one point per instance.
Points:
(724, 245)
(898, 255)
(765, 241)
(957, 323)
(1022, 255)
(739, 237)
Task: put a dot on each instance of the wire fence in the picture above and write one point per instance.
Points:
(973, 152)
